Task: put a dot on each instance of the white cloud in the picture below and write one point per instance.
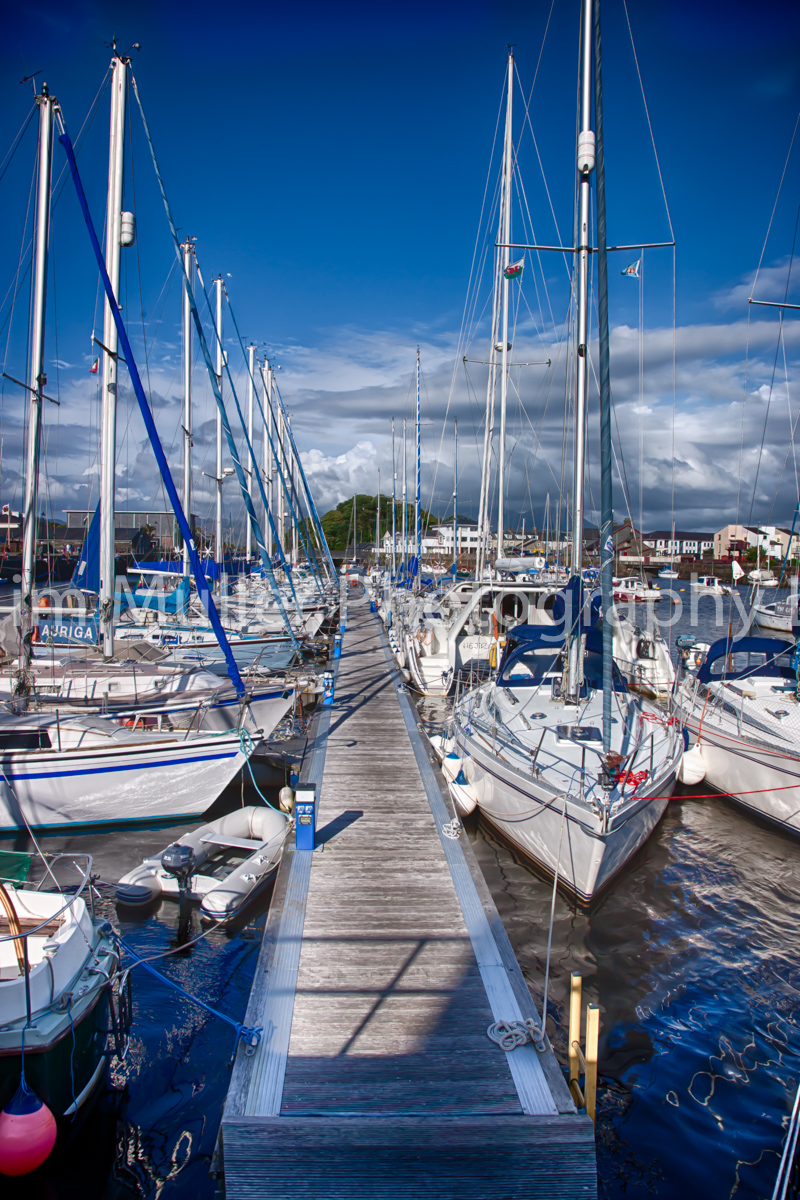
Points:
(343, 393)
(769, 285)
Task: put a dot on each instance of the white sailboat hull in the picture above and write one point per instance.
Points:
(773, 616)
(529, 814)
(763, 780)
(262, 714)
(158, 781)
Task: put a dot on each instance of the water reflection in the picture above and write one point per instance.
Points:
(693, 958)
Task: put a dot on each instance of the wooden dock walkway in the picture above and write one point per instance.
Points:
(384, 961)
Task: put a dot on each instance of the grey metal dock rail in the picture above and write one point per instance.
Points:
(383, 963)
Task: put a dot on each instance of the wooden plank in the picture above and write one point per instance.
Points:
(399, 902)
(501, 1156)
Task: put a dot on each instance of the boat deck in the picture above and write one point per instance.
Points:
(384, 961)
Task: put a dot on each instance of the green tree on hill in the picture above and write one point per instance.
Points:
(337, 524)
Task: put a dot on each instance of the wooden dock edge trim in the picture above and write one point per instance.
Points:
(243, 1068)
(533, 1088)
(264, 1135)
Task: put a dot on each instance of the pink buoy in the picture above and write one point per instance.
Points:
(27, 1133)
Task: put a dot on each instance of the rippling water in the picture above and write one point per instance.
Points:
(693, 958)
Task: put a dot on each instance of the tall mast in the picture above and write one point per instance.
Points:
(355, 530)
(455, 493)
(586, 153)
(585, 163)
(295, 503)
(188, 255)
(606, 493)
(417, 510)
(281, 479)
(218, 472)
(266, 376)
(251, 387)
(394, 507)
(378, 518)
(47, 107)
(547, 530)
(108, 452)
(484, 533)
(405, 501)
(506, 238)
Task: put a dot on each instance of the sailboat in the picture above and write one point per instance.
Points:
(172, 695)
(457, 634)
(59, 986)
(570, 766)
(89, 769)
(761, 577)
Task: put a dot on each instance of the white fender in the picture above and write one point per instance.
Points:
(464, 797)
(692, 769)
(451, 765)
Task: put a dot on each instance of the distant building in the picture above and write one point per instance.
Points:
(127, 526)
(437, 540)
(680, 543)
(11, 527)
(734, 540)
(628, 541)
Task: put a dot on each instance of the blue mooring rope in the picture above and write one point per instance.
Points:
(250, 1035)
(246, 742)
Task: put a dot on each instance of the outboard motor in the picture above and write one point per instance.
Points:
(178, 860)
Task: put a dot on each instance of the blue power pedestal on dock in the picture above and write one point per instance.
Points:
(337, 645)
(327, 688)
(305, 816)
(373, 606)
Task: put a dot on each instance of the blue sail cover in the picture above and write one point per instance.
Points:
(86, 575)
(173, 602)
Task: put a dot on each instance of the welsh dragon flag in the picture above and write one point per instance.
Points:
(514, 270)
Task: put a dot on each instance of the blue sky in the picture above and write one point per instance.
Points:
(332, 161)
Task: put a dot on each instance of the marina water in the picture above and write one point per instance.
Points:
(693, 955)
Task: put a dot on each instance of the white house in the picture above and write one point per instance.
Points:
(680, 543)
(436, 541)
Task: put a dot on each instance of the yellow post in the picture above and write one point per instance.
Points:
(592, 1039)
(574, 1025)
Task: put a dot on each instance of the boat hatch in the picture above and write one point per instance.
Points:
(582, 734)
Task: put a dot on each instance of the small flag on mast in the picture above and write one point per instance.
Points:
(514, 270)
(95, 367)
(632, 270)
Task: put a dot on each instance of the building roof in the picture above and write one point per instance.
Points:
(681, 535)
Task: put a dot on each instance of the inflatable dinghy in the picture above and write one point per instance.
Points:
(223, 864)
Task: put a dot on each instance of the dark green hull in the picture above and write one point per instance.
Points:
(60, 1074)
